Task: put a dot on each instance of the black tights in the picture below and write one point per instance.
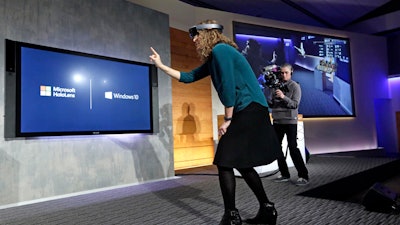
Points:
(227, 183)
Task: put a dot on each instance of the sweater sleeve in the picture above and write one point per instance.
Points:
(195, 75)
(293, 102)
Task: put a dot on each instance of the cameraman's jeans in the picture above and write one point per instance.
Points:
(291, 135)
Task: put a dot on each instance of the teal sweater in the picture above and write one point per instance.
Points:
(232, 77)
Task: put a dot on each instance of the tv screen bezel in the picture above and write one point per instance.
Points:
(13, 69)
(261, 30)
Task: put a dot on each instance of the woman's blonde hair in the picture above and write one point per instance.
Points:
(209, 38)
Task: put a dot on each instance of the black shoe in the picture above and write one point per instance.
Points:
(281, 179)
(301, 181)
(231, 217)
(266, 215)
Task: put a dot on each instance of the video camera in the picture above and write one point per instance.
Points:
(271, 77)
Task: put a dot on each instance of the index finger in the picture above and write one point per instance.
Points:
(152, 49)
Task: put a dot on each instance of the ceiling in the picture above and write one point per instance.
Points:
(376, 17)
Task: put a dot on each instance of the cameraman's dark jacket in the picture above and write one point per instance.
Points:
(285, 111)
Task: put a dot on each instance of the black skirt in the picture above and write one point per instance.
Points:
(249, 141)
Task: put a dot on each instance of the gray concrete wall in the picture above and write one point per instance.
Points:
(38, 168)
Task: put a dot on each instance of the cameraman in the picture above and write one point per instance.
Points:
(284, 102)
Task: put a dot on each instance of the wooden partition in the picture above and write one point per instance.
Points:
(191, 108)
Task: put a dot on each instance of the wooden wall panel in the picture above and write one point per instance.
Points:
(191, 108)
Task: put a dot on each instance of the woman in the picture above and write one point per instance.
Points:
(247, 136)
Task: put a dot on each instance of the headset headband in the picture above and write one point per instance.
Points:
(193, 31)
(209, 26)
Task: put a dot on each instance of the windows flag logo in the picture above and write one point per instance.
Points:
(108, 95)
(45, 90)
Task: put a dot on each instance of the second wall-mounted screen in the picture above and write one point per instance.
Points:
(322, 65)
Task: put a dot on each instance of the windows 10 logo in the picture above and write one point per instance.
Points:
(111, 95)
(108, 95)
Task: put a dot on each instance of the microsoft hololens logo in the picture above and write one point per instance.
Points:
(59, 92)
(45, 90)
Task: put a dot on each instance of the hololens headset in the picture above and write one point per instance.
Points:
(193, 31)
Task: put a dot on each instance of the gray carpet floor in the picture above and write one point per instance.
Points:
(193, 197)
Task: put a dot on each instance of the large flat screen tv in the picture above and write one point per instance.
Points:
(62, 92)
(322, 65)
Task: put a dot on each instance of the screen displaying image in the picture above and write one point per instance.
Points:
(64, 92)
(321, 63)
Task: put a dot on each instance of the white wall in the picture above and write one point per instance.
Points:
(369, 77)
